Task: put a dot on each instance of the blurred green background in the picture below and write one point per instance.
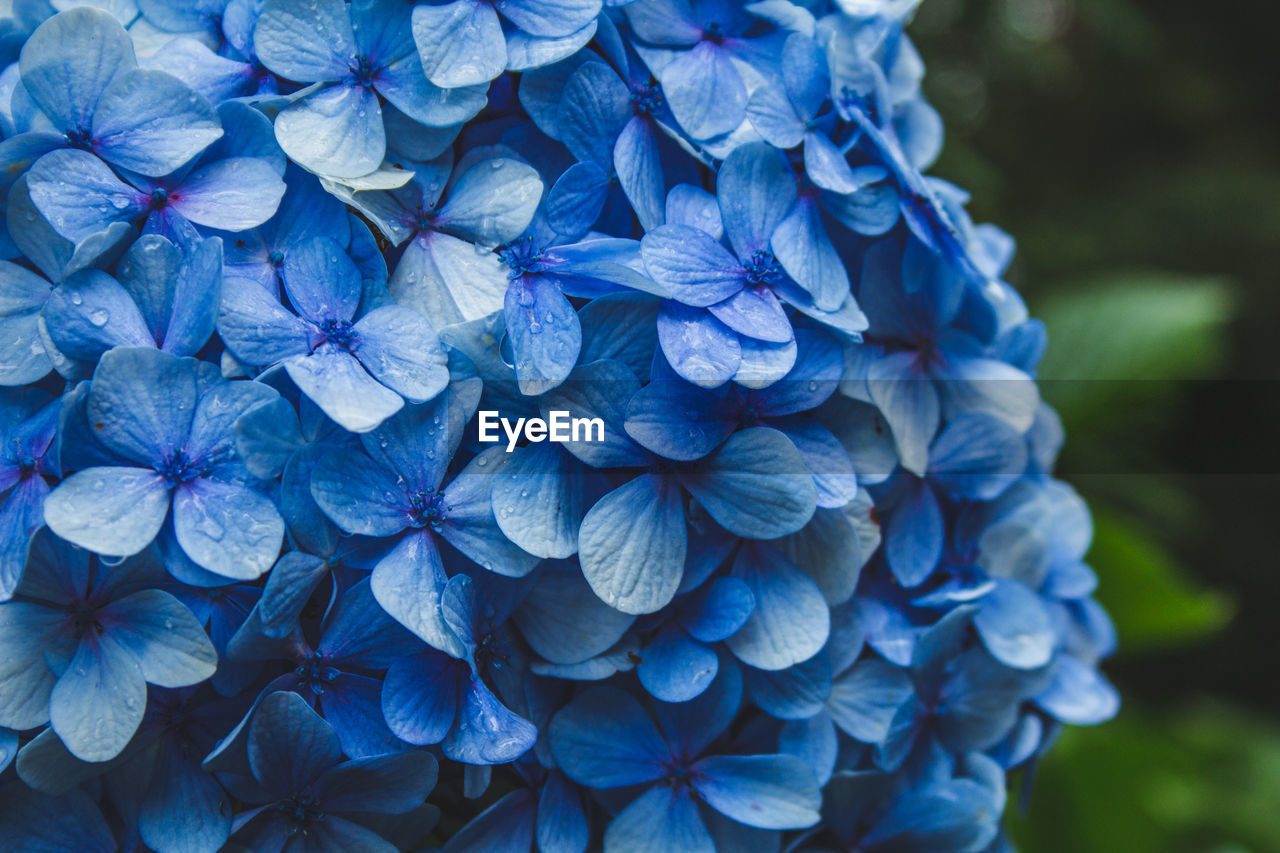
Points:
(1133, 149)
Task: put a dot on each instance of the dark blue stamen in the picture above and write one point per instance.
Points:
(339, 332)
(178, 469)
(428, 510)
(762, 269)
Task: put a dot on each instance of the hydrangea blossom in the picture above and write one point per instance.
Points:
(271, 276)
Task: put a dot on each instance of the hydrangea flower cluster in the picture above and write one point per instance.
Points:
(810, 586)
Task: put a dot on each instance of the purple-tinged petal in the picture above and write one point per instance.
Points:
(235, 194)
(765, 791)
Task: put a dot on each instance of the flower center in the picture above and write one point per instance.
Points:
(340, 332)
(85, 618)
(646, 98)
(178, 469)
(316, 673)
(276, 258)
(364, 71)
(301, 810)
(677, 775)
(428, 510)
(79, 138)
(520, 258)
(713, 32)
(762, 269)
(748, 417)
(159, 198)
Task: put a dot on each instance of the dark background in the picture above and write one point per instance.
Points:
(1133, 149)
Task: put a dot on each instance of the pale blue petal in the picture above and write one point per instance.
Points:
(705, 91)
(235, 194)
(691, 265)
(305, 41)
(401, 350)
(632, 544)
(336, 132)
(659, 820)
(755, 485)
(151, 123)
(790, 622)
(99, 701)
(460, 43)
(227, 528)
(114, 511)
(765, 791)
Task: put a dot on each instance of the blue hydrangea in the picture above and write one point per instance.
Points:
(272, 274)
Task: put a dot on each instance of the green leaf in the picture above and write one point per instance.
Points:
(1200, 780)
(1123, 338)
(1150, 599)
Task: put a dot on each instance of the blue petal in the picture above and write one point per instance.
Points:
(774, 117)
(864, 699)
(359, 494)
(80, 195)
(766, 791)
(28, 631)
(679, 421)
(991, 387)
(185, 808)
(1015, 626)
(544, 333)
(336, 132)
(604, 739)
(114, 511)
(661, 819)
(537, 499)
(305, 41)
(577, 199)
(337, 383)
(717, 609)
(486, 731)
(595, 106)
(632, 544)
(21, 514)
(22, 295)
(99, 700)
(215, 77)
(492, 202)
(401, 350)
(914, 535)
(638, 162)
(795, 693)
(420, 696)
(601, 390)
(790, 622)
(196, 298)
(755, 485)
(256, 328)
(293, 579)
(446, 279)
(507, 826)
(91, 313)
(705, 91)
(70, 60)
(756, 190)
(977, 456)
(151, 123)
(695, 207)
(562, 619)
(386, 784)
(814, 742)
(811, 382)
(227, 528)
(826, 166)
(807, 254)
(827, 460)
(460, 43)
(806, 73)
(755, 313)
(691, 265)
(290, 746)
(1078, 694)
(562, 820)
(549, 18)
(352, 705)
(470, 525)
(235, 194)
(909, 402)
(155, 629)
(699, 347)
(33, 821)
(675, 667)
(408, 583)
